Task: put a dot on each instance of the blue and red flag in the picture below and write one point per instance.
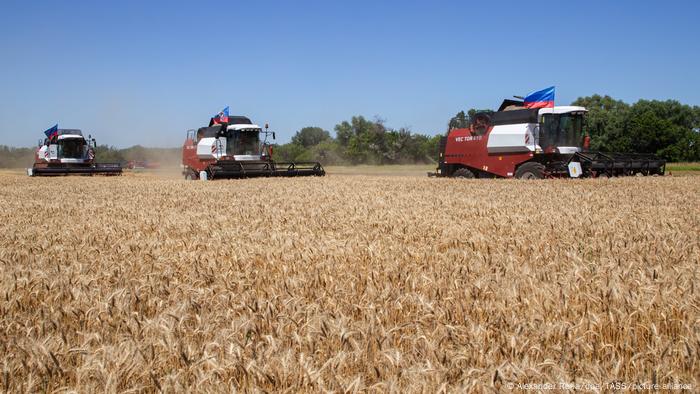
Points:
(52, 132)
(222, 116)
(540, 99)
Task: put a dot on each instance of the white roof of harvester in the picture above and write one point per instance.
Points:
(242, 127)
(70, 136)
(564, 109)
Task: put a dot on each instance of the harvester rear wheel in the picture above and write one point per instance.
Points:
(463, 173)
(530, 170)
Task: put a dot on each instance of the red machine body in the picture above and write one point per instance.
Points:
(466, 148)
(191, 161)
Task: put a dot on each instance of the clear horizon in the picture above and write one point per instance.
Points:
(142, 74)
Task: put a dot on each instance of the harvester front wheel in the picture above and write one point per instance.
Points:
(190, 176)
(530, 170)
(463, 173)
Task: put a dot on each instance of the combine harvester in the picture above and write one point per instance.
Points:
(230, 147)
(67, 152)
(542, 141)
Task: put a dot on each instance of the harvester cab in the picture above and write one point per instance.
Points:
(235, 149)
(68, 152)
(533, 143)
(560, 130)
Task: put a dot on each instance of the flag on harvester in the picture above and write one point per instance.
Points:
(52, 132)
(222, 116)
(540, 99)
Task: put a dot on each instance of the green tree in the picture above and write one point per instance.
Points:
(343, 133)
(371, 142)
(327, 152)
(396, 146)
(664, 128)
(108, 154)
(363, 141)
(459, 121)
(310, 136)
(668, 129)
(605, 122)
(288, 152)
(432, 147)
(463, 120)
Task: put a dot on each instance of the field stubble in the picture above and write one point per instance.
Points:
(346, 283)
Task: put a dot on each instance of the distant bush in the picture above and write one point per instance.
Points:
(359, 141)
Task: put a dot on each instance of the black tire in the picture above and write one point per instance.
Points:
(530, 170)
(463, 173)
(190, 176)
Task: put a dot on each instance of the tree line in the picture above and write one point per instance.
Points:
(359, 141)
(668, 129)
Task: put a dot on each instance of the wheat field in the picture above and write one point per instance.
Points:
(347, 284)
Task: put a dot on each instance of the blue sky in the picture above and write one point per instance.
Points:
(142, 72)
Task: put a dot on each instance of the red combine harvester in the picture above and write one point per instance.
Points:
(233, 149)
(67, 152)
(533, 144)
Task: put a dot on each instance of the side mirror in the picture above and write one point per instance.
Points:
(273, 135)
(94, 143)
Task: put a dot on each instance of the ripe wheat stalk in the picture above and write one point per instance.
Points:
(346, 283)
